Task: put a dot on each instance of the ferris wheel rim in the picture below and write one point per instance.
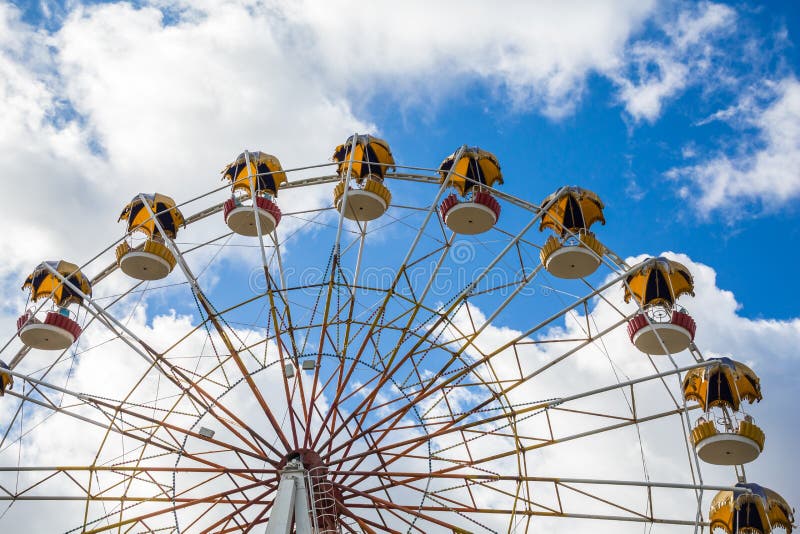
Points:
(329, 179)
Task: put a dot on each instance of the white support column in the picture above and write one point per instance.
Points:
(291, 502)
(280, 519)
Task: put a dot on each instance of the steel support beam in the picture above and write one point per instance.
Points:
(291, 503)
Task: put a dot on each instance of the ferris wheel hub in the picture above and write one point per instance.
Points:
(309, 458)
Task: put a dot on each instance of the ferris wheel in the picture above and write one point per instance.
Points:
(416, 352)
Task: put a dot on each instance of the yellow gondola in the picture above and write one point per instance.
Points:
(574, 251)
(57, 331)
(362, 161)
(471, 176)
(475, 168)
(137, 216)
(259, 172)
(723, 383)
(6, 380)
(44, 284)
(372, 158)
(659, 281)
(660, 327)
(571, 209)
(724, 435)
(151, 260)
(264, 173)
(750, 509)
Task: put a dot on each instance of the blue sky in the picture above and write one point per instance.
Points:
(601, 145)
(683, 116)
(602, 148)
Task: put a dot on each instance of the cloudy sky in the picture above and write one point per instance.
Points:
(683, 116)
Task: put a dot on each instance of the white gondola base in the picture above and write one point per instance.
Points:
(572, 261)
(46, 336)
(144, 265)
(727, 449)
(470, 218)
(362, 205)
(242, 221)
(649, 339)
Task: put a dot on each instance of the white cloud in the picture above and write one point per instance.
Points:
(538, 54)
(115, 103)
(760, 169)
(653, 72)
(120, 100)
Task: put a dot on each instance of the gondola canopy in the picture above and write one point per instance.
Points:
(757, 511)
(43, 284)
(724, 382)
(371, 156)
(475, 166)
(138, 218)
(6, 380)
(658, 281)
(265, 168)
(571, 209)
